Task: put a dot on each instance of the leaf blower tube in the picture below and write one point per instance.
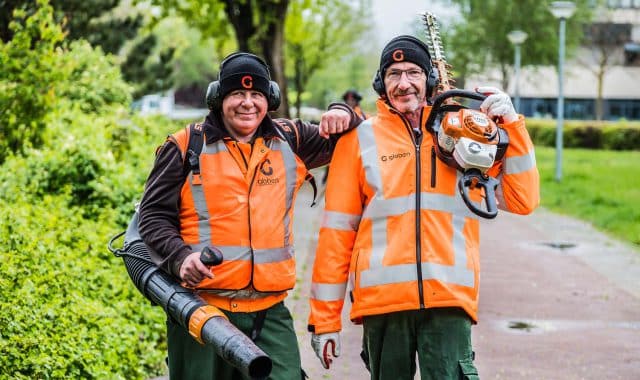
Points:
(206, 323)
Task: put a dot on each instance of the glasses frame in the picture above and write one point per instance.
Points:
(398, 73)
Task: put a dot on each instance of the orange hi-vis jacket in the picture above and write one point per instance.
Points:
(395, 230)
(250, 220)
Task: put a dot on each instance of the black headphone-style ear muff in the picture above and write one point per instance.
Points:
(378, 83)
(432, 75)
(433, 80)
(214, 98)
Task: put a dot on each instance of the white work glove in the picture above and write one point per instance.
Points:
(326, 346)
(497, 105)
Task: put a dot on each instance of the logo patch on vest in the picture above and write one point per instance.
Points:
(394, 156)
(267, 170)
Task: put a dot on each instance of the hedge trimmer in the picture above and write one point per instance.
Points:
(464, 138)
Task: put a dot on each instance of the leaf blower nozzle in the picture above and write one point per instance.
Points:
(206, 323)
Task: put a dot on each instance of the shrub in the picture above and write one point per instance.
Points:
(39, 74)
(95, 81)
(587, 134)
(29, 71)
(68, 309)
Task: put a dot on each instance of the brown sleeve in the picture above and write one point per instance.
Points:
(315, 150)
(159, 222)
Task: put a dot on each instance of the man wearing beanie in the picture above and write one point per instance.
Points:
(234, 190)
(398, 235)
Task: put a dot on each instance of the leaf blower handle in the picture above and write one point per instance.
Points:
(211, 256)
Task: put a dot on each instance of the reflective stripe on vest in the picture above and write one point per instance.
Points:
(379, 209)
(290, 168)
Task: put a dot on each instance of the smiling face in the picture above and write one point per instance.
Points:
(242, 113)
(406, 87)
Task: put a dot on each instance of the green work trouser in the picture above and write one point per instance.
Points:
(441, 337)
(189, 360)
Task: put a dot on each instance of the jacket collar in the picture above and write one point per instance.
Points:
(214, 129)
(387, 112)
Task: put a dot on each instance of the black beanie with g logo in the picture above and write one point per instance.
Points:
(405, 49)
(243, 71)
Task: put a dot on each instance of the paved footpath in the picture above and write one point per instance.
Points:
(558, 300)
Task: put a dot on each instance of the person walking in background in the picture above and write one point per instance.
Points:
(397, 233)
(241, 202)
(353, 98)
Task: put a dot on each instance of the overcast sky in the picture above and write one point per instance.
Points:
(394, 17)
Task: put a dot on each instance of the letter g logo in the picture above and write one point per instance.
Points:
(247, 81)
(398, 55)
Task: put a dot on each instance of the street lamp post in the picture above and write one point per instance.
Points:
(561, 10)
(517, 37)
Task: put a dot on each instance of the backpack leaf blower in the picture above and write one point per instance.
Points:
(206, 323)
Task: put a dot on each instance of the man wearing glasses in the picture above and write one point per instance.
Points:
(397, 232)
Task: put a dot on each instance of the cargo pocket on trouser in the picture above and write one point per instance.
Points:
(468, 371)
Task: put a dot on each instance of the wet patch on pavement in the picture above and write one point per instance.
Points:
(540, 326)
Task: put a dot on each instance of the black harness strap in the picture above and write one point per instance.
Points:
(196, 139)
(258, 323)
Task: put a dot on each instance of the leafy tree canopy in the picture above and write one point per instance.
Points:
(480, 40)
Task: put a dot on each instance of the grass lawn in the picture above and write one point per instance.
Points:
(599, 186)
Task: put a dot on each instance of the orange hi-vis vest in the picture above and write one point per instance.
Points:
(395, 230)
(247, 214)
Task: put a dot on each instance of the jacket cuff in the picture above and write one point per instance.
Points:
(178, 260)
(514, 124)
(355, 119)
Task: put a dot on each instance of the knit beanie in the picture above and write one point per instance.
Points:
(405, 49)
(243, 71)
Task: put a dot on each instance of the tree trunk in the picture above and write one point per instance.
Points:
(298, 69)
(266, 36)
(599, 102)
(240, 16)
(602, 68)
(271, 42)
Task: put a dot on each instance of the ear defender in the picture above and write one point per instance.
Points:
(378, 84)
(214, 103)
(433, 79)
(214, 97)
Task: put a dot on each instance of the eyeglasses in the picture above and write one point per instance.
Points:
(412, 74)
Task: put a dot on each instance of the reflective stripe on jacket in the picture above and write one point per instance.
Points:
(395, 228)
(250, 220)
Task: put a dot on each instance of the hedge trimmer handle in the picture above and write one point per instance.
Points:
(473, 178)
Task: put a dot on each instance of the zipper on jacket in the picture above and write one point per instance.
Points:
(249, 221)
(417, 140)
(433, 167)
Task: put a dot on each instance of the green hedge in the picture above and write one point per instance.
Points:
(68, 309)
(72, 165)
(621, 135)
